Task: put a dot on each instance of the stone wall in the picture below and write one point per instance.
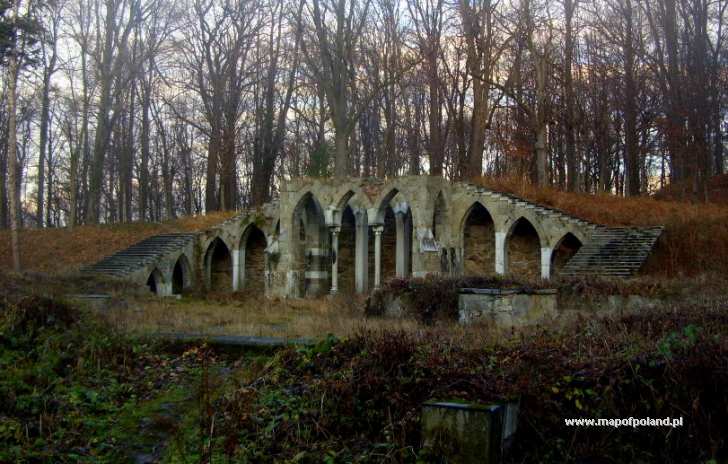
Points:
(506, 307)
(454, 229)
(524, 252)
(255, 263)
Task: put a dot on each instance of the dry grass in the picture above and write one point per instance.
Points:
(696, 234)
(254, 317)
(66, 250)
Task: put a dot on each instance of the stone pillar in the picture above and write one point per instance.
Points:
(546, 263)
(238, 269)
(166, 289)
(501, 253)
(335, 259)
(378, 229)
(361, 254)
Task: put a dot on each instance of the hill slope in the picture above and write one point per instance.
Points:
(695, 240)
(65, 250)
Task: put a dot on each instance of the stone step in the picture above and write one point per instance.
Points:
(617, 251)
(140, 254)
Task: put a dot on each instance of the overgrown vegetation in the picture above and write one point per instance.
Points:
(72, 390)
(695, 240)
(359, 400)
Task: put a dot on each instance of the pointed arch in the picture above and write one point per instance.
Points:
(478, 238)
(384, 203)
(397, 235)
(155, 282)
(565, 249)
(310, 244)
(252, 261)
(344, 200)
(181, 275)
(523, 249)
(218, 266)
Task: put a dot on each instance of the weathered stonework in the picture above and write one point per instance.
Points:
(348, 235)
(506, 307)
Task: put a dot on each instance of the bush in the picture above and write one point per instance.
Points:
(33, 314)
(359, 400)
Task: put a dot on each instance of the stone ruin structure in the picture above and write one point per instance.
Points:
(327, 236)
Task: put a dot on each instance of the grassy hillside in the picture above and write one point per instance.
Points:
(696, 234)
(62, 250)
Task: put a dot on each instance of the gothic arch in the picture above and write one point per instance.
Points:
(181, 275)
(155, 282)
(218, 266)
(563, 251)
(478, 239)
(523, 249)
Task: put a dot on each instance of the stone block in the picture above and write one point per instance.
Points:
(505, 307)
(467, 433)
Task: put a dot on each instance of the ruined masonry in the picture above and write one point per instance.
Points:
(350, 235)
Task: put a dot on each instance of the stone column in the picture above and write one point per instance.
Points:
(166, 289)
(501, 258)
(361, 255)
(335, 259)
(546, 263)
(378, 229)
(237, 268)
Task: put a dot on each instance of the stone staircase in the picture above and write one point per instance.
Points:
(613, 252)
(541, 210)
(139, 255)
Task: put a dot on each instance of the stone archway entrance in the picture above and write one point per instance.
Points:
(564, 251)
(310, 248)
(478, 242)
(181, 275)
(155, 282)
(253, 260)
(218, 267)
(523, 250)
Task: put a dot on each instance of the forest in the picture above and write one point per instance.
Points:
(144, 110)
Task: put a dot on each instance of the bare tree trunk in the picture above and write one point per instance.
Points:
(569, 116)
(3, 175)
(12, 74)
(675, 132)
(541, 120)
(49, 190)
(718, 155)
(211, 201)
(413, 135)
(144, 158)
(43, 149)
(435, 116)
(632, 175)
